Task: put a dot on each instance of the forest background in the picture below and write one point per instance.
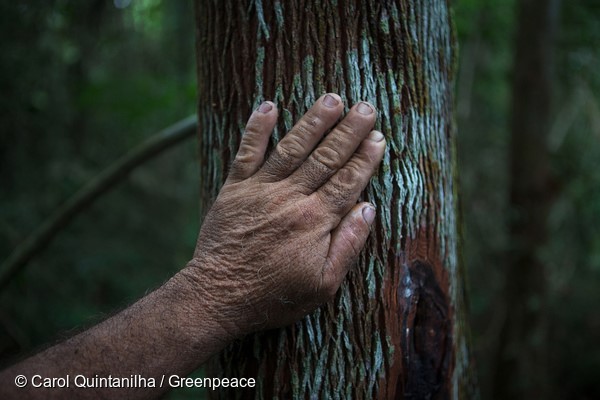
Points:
(82, 83)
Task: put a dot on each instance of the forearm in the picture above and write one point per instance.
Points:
(168, 332)
(276, 244)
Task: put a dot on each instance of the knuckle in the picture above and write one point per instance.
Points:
(349, 175)
(311, 173)
(363, 158)
(351, 238)
(279, 159)
(253, 127)
(306, 127)
(294, 146)
(328, 156)
(347, 129)
(335, 195)
(281, 153)
(246, 154)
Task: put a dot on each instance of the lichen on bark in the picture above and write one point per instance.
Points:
(398, 55)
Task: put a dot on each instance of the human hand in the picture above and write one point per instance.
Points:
(282, 234)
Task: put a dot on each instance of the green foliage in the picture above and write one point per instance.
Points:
(572, 254)
(83, 82)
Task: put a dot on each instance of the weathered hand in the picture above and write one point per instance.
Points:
(277, 242)
(282, 234)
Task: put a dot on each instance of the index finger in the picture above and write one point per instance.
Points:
(295, 147)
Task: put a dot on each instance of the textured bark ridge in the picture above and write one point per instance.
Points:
(396, 328)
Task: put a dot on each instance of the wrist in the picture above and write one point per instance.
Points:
(205, 302)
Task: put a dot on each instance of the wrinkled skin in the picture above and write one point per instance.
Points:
(283, 233)
(277, 242)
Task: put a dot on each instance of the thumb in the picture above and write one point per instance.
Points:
(347, 240)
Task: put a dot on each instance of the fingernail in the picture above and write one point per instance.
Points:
(265, 107)
(330, 101)
(364, 108)
(376, 136)
(368, 213)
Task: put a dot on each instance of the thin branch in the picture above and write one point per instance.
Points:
(98, 186)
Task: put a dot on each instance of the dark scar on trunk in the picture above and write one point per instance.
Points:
(425, 337)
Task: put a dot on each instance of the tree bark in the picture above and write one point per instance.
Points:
(522, 362)
(397, 326)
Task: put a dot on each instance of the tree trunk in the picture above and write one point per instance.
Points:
(522, 362)
(396, 328)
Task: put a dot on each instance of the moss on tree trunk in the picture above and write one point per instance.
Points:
(396, 328)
